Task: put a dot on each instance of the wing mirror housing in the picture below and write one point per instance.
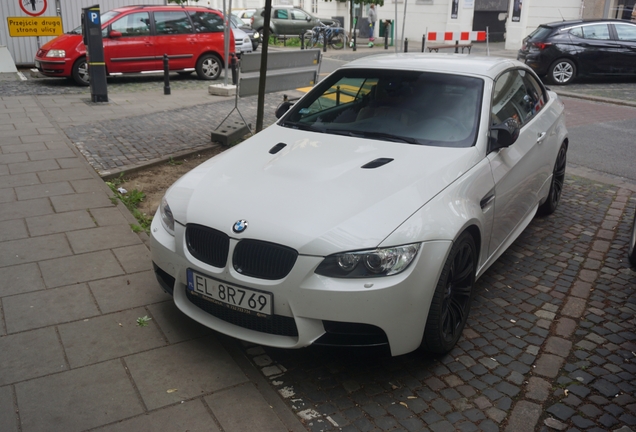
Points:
(114, 34)
(504, 134)
(283, 108)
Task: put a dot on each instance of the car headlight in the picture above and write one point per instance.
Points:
(167, 219)
(246, 40)
(256, 35)
(56, 53)
(369, 263)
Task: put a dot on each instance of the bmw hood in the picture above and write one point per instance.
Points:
(317, 193)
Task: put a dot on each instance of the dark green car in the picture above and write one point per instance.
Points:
(287, 20)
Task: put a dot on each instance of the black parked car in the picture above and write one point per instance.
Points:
(567, 49)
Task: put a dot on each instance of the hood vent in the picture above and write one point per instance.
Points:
(377, 163)
(278, 147)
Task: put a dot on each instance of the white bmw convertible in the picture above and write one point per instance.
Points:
(366, 213)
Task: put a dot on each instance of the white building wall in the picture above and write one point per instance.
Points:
(23, 49)
(536, 12)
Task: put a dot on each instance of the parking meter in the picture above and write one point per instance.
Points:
(92, 34)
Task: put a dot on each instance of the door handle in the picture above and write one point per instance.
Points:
(541, 137)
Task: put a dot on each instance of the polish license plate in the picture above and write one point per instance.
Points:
(235, 297)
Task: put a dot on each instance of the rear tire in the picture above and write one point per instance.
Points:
(209, 67)
(556, 186)
(632, 244)
(450, 306)
(80, 72)
(562, 71)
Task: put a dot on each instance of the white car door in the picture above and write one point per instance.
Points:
(521, 169)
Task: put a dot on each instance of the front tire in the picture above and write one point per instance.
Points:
(80, 72)
(450, 306)
(209, 67)
(337, 42)
(632, 244)
(556, 186)
(562, 71)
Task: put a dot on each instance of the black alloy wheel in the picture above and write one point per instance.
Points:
(632, 244)
(450, 306)
(556, 186)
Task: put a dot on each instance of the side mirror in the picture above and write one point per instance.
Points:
(283, 108)
(114, 34)
(504, 134)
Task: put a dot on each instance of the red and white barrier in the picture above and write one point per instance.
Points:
(456, 36)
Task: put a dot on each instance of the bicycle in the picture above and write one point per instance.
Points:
(335, 35)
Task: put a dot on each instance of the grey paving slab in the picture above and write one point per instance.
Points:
(15, 145)
(52, 154)
(79, 268)
(73, 162)
(4, 170)
(82, 201)
(22, 209)
(123, 292)
(108, 337)
(11, 181)
(44, 308)
(13, 158)
(8, 417)
(134, 258)
(39, 138)
(30, 355)
(43, 190)
(33, 166)
(12, 230)
(94, 239)
(242, 408)
(64, 175)
(60, 222)
(193, 368)
(78, 399)
(109, 216)
(190, 416)
(33, 249)
(174, 324)
(19, 279)
(7, 195)
(87, 185)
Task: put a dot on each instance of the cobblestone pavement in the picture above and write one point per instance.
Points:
(549, 344)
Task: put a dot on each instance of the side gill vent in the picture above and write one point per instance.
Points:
(377, 163)
(278, 147)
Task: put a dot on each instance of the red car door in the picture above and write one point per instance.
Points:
(128, 45)
(175, 37)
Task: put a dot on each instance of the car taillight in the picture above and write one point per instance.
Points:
(541, 45)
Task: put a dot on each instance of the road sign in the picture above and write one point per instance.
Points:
(33, 7)
(34, 26)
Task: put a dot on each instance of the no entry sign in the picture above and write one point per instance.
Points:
(33, 7)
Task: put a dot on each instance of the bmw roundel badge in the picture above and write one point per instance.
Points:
(239, 226)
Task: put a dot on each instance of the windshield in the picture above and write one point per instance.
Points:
(401, 106)
(104, 18)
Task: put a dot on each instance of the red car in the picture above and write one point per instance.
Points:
(135, 40)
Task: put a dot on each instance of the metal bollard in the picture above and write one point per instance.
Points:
(355, 24)
(166, 75)
(386, 34)
(302, 42)
(406, 45)
(456, 47)
(234, 62)
(423, 41)
(324, 40)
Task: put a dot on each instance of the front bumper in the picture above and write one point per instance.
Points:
(53, 67)
(318, 309)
